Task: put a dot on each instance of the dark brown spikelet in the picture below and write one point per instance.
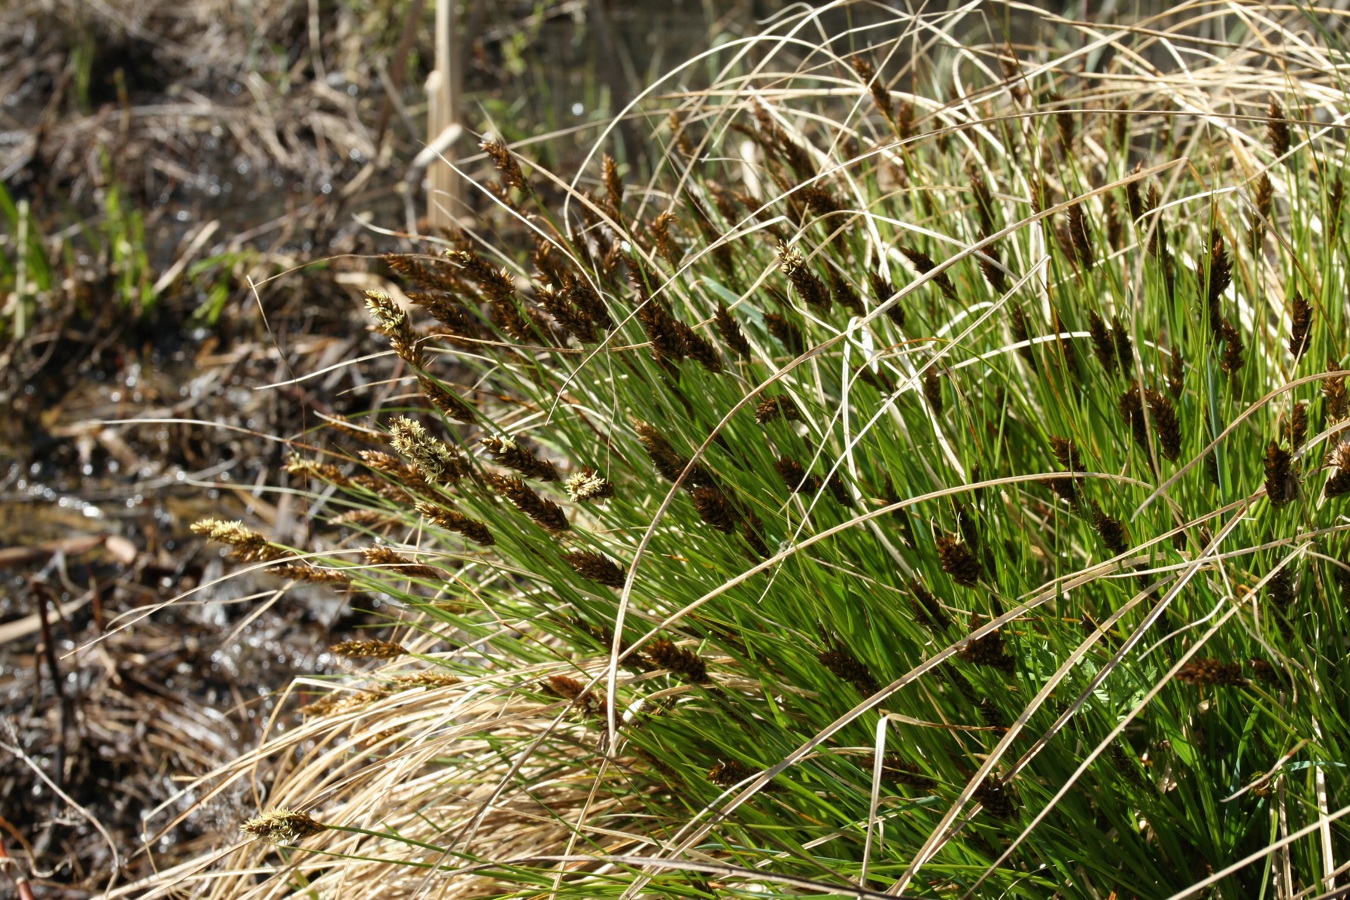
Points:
(1124, 347)
(847, 667)
(1165, 423)
(958, 562)
(698, 348)
(988, 650)
(446, 401)
(459, 523)
(1264, 201)
(665, 245)
(1281, 482)
(586, 301)
(1021, 334)
(1301, 315)
(1176, 374)
(669, 463)
(1134, 197)
(984, 199)
(565, 313)
(806, 283)
(1132, 411)
(1281, 590)
(752, 530)
(927, 609)
(1233, 348)
(663, 330)
(596, 567)
(1333, 391)
(507, 452)
(1111, 531)
(589, 703)
(1277, 128)
(1298, 426)
(1219, 275)
(731, 333)
(895, 770)
(1079, 236)
(771, 409)
(686, 664)
(883, 290)
(609, 173)
(795, 476)
(1115, 229)
(1208, 671)
(787, 334)
(1102, 345)
(1339, 483)
(992, 270)
(867, 73)
(730, 773)
(368, 649)
(1335, 199)
(498, 288)
(997, 798)
(715, 509)
(385, 557)
(932, 390)
(843, 292)
(505, 162)
(1264, 672)
(1066, 454)
(545, 513)
(924, 264)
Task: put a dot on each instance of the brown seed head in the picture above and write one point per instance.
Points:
(505, 162)
(1111, 531)
(1339, 482)
(596, 567)
(1281, 480)
(1298, 426)
(451, 520)
(795, 476)
(368, 649)
(958, 562)
(1277, 128)
(545, 513)
(1208, 671)
(686, 664)
(282, 826)
(1301, 315)
(932, 390)
(997, 798)
(927, 609)
(1333, 391)
(1233, 348)
(988, 650)
(508, 452)
(248, 545)
(1102, 345)
(730, 773)
(1165, 423)
(715, 509)
(786, 333)
(771, 409)
(731, 333)
(386, 557)
(847, 667)
(924, 264)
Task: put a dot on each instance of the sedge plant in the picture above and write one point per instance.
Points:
(930, 483)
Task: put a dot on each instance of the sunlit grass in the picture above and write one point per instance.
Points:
(946, 501)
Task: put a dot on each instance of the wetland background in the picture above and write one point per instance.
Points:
(192, 195)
